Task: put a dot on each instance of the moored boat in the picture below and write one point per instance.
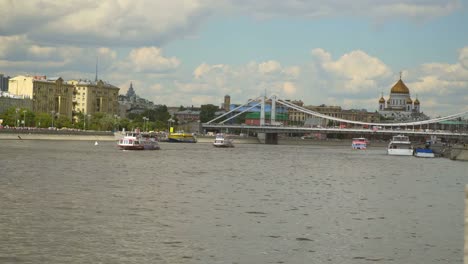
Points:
(181, 137)
(359, 143)
(138, 141)
(223, 141)
(424, 153)
(400, 145)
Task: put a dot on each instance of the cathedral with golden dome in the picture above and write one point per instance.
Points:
(400, 106)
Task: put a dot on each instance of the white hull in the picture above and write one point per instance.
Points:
(223, 145)
(400, 146)
(424, 155)
(400, 152)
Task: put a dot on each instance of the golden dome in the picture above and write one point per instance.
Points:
(416, 102)
(382, 100)
(409, 101)
(400, 87)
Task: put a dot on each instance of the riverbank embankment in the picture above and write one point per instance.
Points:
(45, 134)
(109, 136)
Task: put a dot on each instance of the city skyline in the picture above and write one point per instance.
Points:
(195, 52)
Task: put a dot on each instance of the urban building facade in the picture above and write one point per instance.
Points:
(60, 98)
(92, 97)
(227, 103)
(4, 82)
(49, 95)
(187, 116)
(6, 102)
(298, 117)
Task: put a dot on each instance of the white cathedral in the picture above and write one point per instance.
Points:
(399, 106)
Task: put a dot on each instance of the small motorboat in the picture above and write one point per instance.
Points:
(223, 141)
(359, 143)
(424, 153)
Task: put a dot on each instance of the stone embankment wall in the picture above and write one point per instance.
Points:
(56, 137)
(45, 134)
(459, 152)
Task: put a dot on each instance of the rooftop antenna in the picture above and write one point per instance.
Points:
(401, 74)
(96, 78)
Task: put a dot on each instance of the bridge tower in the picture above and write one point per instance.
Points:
(273, 110)
(262, 112)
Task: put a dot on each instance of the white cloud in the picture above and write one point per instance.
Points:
(150, 59)
(353, 72)
(289, 89)
(463, 57)
(106, 22)
(206, 69)
(269, 67)
(156, 22)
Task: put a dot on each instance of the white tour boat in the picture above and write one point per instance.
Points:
(138, 141)
(223, 141)
(400, 145)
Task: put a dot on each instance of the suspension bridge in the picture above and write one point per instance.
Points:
(268, 129)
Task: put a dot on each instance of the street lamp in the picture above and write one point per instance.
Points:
(16, 117)
(145, 125)
(115, 122)
(24, 120)
(53, 117)
(88, 116)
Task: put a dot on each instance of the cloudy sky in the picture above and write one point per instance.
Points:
(193, 52)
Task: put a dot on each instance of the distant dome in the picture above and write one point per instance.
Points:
(400, 88)
(416, 102)
(382, 100)
(409, 101)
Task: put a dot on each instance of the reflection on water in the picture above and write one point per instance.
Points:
(73, 202)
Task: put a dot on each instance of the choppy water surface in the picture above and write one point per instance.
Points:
(73, 202)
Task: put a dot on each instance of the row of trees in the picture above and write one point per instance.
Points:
(150, 120)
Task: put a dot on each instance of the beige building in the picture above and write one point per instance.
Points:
(49, 95)
(296, 116)
(95, 97)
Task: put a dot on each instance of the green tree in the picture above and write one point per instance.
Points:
(30, 118)
(14, 116)
(207, 112)
(62, 121)
(9, 117)
(43, 120)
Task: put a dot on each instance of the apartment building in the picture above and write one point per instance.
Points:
(49, 95)
(95, 97)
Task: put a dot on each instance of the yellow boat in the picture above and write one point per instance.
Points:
(181, 137)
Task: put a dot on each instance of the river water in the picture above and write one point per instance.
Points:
(73, 202)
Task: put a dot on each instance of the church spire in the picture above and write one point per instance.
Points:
(130, 92)
(96, 78)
